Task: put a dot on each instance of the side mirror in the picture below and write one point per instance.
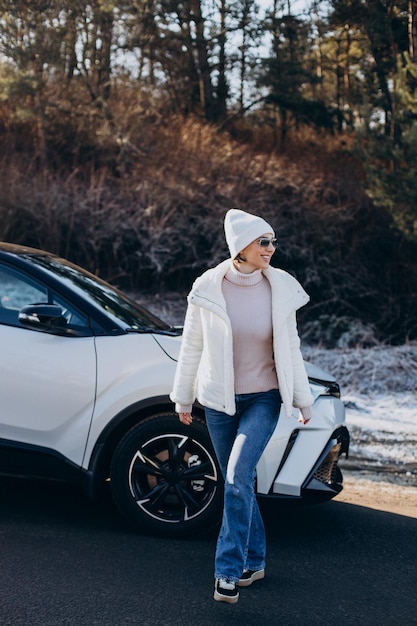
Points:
(47, 317)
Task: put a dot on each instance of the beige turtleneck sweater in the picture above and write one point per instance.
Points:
(249, 307)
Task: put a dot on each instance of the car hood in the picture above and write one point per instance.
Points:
(314, 371)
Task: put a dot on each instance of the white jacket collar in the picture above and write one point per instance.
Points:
(207, 289)
(287, 293)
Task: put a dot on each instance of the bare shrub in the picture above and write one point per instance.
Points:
(145, 210)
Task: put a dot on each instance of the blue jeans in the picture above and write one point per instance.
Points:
(239, 442)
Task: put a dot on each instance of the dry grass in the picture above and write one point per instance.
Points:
(141, 200)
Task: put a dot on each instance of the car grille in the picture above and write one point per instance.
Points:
(328, 471)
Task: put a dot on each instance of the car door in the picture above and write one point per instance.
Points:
(47, 380)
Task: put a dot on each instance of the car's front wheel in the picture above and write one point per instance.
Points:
(164, 477)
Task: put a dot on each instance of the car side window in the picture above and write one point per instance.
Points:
(18, 290)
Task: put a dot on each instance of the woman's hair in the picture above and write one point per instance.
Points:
(239, 259)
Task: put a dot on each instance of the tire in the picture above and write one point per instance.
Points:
(165, 479)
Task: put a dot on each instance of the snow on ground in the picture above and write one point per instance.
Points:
(383, 431)
(379, 389)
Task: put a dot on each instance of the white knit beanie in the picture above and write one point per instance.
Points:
(242, 228)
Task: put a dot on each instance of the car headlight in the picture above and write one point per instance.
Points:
(324, 388)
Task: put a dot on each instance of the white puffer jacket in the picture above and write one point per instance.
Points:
(205, 365)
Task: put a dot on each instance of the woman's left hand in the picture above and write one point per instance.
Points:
(306, 415)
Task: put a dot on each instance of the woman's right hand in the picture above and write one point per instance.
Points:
(185, 418)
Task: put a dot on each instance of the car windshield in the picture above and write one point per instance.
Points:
(114, 302)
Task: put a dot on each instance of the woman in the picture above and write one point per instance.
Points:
(240, 356)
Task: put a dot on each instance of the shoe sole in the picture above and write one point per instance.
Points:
(255, 576)
(229, 599)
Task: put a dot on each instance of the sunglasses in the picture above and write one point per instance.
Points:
(264, 242)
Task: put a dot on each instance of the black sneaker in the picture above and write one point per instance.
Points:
(249, 576)
(225, 591)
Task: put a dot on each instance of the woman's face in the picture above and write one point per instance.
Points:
(257, 256)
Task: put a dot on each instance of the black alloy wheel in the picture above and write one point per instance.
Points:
(164, 477)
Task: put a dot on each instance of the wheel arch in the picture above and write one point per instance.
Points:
(114, 431)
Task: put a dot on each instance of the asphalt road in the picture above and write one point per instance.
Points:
(68, 562)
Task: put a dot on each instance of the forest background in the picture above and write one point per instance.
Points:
(128, 128)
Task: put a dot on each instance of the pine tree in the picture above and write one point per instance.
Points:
(391, 161)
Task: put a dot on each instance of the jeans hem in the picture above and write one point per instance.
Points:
(232, 579)
(255, 568)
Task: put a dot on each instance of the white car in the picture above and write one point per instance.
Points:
(85, 377)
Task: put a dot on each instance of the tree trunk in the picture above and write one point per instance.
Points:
(339, 73)
(204, 70)
(382, 53)
(222, 88)
(71, 44)
(412, 30)
(105, 19)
